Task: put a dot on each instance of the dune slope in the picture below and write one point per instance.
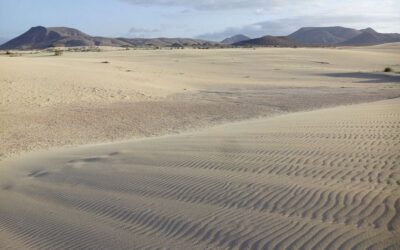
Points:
(324, 179)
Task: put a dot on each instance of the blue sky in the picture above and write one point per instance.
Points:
(209, 19)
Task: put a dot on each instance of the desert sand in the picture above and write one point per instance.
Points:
(270, 148)
(48, 101)
(326, 179)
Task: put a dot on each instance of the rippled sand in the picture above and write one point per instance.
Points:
(324, 179)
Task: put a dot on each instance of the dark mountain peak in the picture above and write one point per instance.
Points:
(37, 29)
(35, 35)
(369, 36)
(235, 39)
(323, 35)
(65, 31)
(328, 28)
(40, 37)
(369, 30)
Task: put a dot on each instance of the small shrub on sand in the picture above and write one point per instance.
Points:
(58, 52)
(105, 62)
(388, 69)
(13, 54)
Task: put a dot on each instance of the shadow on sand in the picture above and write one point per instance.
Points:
(367, 77)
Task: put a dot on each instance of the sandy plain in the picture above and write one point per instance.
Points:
(283, 177)
(48, 101)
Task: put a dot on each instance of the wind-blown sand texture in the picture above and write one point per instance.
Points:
(77, 98)
(326, 179)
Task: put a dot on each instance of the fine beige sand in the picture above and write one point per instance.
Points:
(271, 148)
(326, 179)
(48, 101)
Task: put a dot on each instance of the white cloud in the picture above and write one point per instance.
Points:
(287, 7)
(219, 4)
(260, 11)
(143, 32)
(136, 30)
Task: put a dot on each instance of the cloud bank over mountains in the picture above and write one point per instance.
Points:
(285, 26)
(281, 17)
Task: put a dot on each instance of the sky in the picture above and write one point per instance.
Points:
(206, 19)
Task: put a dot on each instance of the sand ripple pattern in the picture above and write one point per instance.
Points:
(327, 179)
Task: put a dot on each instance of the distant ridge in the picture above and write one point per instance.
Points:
(269, 41)
(342, 36)
(370, 37)
(167, 42)
(324, 35)
(235, 39)
(41, 37)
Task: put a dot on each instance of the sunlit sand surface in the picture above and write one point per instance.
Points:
(92, 97)
(326, 179)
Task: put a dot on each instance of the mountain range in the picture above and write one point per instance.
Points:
(276, 41)
(369, 37)
(41, 37)
(341, 36)
(324, 36)
(235, 39)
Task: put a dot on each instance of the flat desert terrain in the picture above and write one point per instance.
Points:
(269, 148)
(77, 98)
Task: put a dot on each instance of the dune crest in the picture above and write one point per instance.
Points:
(324, 179)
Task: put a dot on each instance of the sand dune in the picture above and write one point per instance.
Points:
(326, 179)
(48, 101)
